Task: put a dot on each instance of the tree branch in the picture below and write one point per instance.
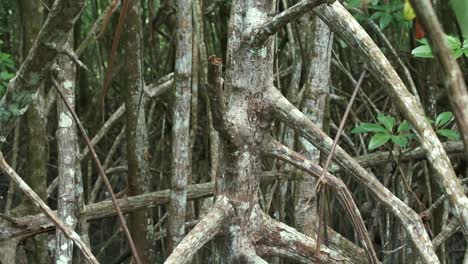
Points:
(22, 89)
(278, 239)
(204, 231)
(344, 24)
(294, 118)
(457, 90)
(280, 20)
(68, 232)
(277, 150)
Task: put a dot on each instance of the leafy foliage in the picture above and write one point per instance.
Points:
(458, 49)
(384, 12)
(460, 8)
(7, 69)
(384, 130)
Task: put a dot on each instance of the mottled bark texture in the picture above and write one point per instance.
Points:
(318, 41)
(343, 23)
(23, 88)
(238, 107)
(69, 172)
(24, 187)
(286, 112)
(181, 122)
(136, 132)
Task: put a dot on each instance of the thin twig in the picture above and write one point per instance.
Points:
(102, 173)
(330, 156)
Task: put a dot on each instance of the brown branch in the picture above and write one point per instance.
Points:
(68, 232)
(110, 63)
(277, 150)
(215, 91)
(203, 232)
(101, 171)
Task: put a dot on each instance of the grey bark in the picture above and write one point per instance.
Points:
(181, 122)
(316, 88)
(22, 89)
(136, 131)
(342, 23)
(69, 170)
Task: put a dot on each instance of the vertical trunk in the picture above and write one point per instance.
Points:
(248, 74)
(318, 41)
(68, 163)
(36, 134)
(181, 122)
(136, 132)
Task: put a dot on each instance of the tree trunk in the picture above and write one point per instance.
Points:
(136, 131)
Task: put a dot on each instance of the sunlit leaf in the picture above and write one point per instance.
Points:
(378, 140)
(423, 52)
(387, 121)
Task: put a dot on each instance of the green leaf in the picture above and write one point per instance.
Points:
(460, 8)
(409, 136)
(443, 119)
(387, 121)
(423, 41)
(422, 52)
(401, 141)
(385, 20)
(376, 15)
(448, 133)
(465, 44)
(453, 42)
(353, 4)
(378, 140)
(369, 127)
(404, 126)
(6, 76)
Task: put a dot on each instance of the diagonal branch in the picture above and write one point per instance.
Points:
(277, 150)
(280, 20)
(204, 231)
(101, 171)
(344, 24)
(278, 239)
(22, 89)
(68, 232)
(457, 90)
(294, 118)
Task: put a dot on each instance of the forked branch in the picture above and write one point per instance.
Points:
(343, 23)
(277, 150)
(203, 232)
(295, 119)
